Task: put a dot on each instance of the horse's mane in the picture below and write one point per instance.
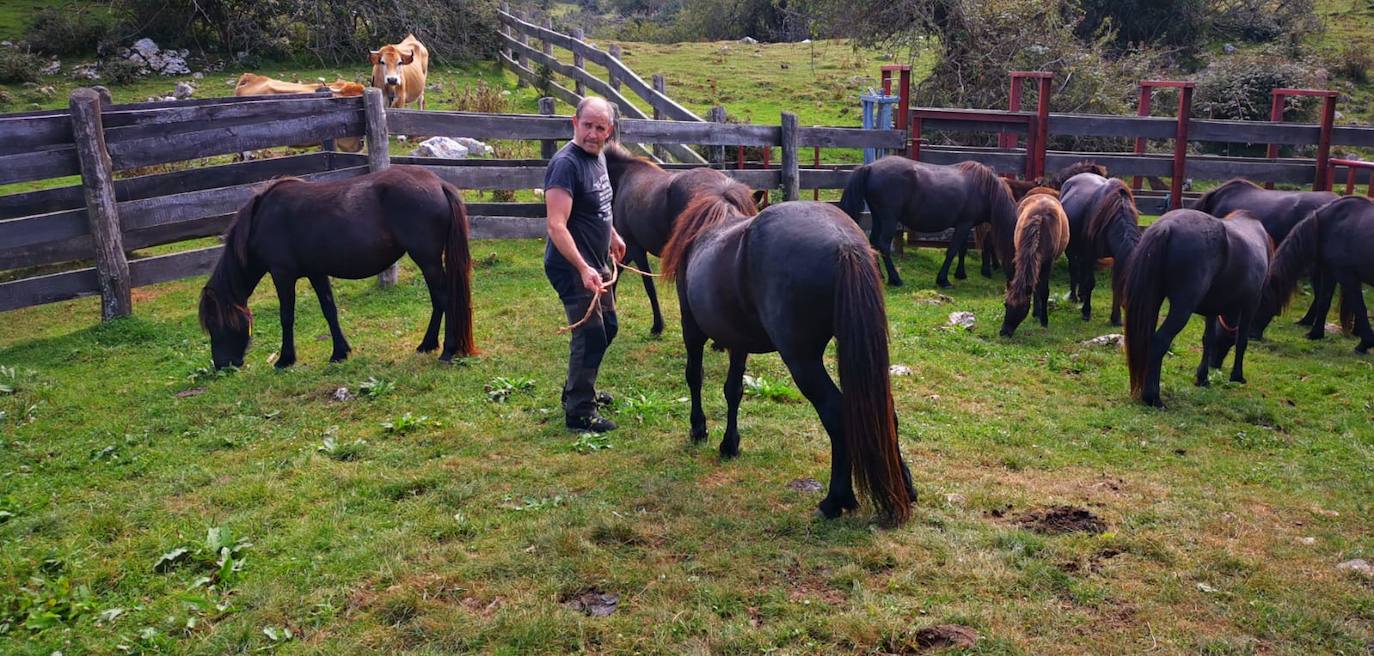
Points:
(989, 183)
(722, 200)
(241, 228)
(1042, 190)
(1205, 201)
(618, 154)
(1116, 199)
(1083, 166)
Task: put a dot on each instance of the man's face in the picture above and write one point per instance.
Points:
(592, 128)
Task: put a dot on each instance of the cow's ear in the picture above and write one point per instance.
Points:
(376, 56)
(409, 57)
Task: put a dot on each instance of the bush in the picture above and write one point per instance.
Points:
(1353, 64)
(1238, 86)
(482, 98)
(117, 70)
(18, 67)
(70, 29)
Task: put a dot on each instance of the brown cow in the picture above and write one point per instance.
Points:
(252, 84)
(399, 70)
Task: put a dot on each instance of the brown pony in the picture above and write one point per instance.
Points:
(647, 201)
(352, 228)
(1042, 234)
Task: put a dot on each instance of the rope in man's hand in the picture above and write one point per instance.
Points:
(596, 300)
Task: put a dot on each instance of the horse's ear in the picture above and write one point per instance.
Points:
(375, 56)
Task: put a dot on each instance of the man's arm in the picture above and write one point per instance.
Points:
(558, 207)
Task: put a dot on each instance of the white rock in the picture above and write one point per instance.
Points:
(964, 320)
(442, 147)
(146, 48)
(748, 39)
(86, 72)
(52, 68)
(899, 370)
(197, 75)
(1110, 339)
(1358, 565)
(183, 91)
(474, 146)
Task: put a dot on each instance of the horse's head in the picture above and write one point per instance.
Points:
(230, 327)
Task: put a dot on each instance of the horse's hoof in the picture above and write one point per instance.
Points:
(698, 435)
(1238, 379)
(1363, 349)
(944, 285)
(1201, 381)
(730, 452)
(283, 363)
(1153, 402)
(656, 332)
(895, 282)
(426, 347)
(339, 357)
(960, 275)
(1006, 333)
(1316, 336)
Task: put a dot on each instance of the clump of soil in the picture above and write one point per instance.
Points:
(1062, 519)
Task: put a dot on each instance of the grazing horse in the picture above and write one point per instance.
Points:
(1339, 240)
(1103, 222)
(1042, 233)
(648, 199)
(930, 198)
(790, 279)
(352, 228)
(400, 70)
(1279, 211)
(1202, 264)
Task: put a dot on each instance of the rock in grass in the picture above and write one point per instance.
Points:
(1359, 566)
(942, 636)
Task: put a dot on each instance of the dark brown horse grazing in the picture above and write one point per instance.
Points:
(1279, 211)
(929, 198)
(648, 199)
(789, 280)
(1103, 222)
(1202, 264)
(1042, 234)
(353, 228)
(1339, 240)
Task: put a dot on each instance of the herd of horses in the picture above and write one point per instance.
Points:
(739, 285)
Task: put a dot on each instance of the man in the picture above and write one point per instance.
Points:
(578, 258)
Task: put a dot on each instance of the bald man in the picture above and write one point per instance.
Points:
(582, 249)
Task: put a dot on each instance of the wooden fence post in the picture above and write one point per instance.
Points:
(717, 115)
(505, 29)
(547, 147)
(548, 45)
(579, 62)
(791, 170)
(378, 155)
(610, 74)
(520, 54)
(660, 86)
(97, 181)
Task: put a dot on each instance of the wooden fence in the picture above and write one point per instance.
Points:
(105, 217)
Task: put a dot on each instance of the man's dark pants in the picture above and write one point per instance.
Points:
(589, 343)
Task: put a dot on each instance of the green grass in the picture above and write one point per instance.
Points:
(465, 531)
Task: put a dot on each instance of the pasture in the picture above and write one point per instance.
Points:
(442, 509)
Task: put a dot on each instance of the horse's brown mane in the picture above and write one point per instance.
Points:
(711, 206)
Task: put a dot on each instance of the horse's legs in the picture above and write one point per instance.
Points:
(734, 392)
(438, 303)
(1042, 294)
(959, 273)
(1321, 304)
(815, 384)
(960, 236)
(1116, 301)
(325, 293)
(1179, 312)
(695, 342)
(286, 299)
(881, 237)
(1310, 318)
(1242, 340)
(1209, 339)
(1087, 282)
(1076, 278)
(640, 258)
(1352, 301)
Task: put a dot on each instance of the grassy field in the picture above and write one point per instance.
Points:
(424, 516)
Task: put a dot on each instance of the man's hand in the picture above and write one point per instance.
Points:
(617, 246)
(591, 279)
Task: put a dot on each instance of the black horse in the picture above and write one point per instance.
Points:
(1338, 239)
(1279, 211)
(353, 228)
(1202, 264)
(648, 198)
(1103, 222)
(930, 198)
(788, 280)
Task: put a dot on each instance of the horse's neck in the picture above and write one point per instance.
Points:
(233, 280)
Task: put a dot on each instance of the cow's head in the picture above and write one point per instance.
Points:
(388, 61)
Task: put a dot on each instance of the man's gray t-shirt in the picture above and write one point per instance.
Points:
(584, 177)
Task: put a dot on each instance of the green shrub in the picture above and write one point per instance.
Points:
(117, 70)
(69, 29)
(1238, 86)
(18, 67)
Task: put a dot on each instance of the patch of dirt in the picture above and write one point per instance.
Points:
(719, 478)
(943, 636)
(187, 393)
(807, 485)
(1062, 519)
(591, 602)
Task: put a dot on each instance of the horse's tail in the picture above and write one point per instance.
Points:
(704, 212)
(868, 416)
(1026, 264)
(852, 201)
(1144, 291)
(1298, 250)
(458, 263)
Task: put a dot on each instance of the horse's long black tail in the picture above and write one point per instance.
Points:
(1144, 291)
(1297, 252)
(855, 191)
(869, 417)
(458, 263)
